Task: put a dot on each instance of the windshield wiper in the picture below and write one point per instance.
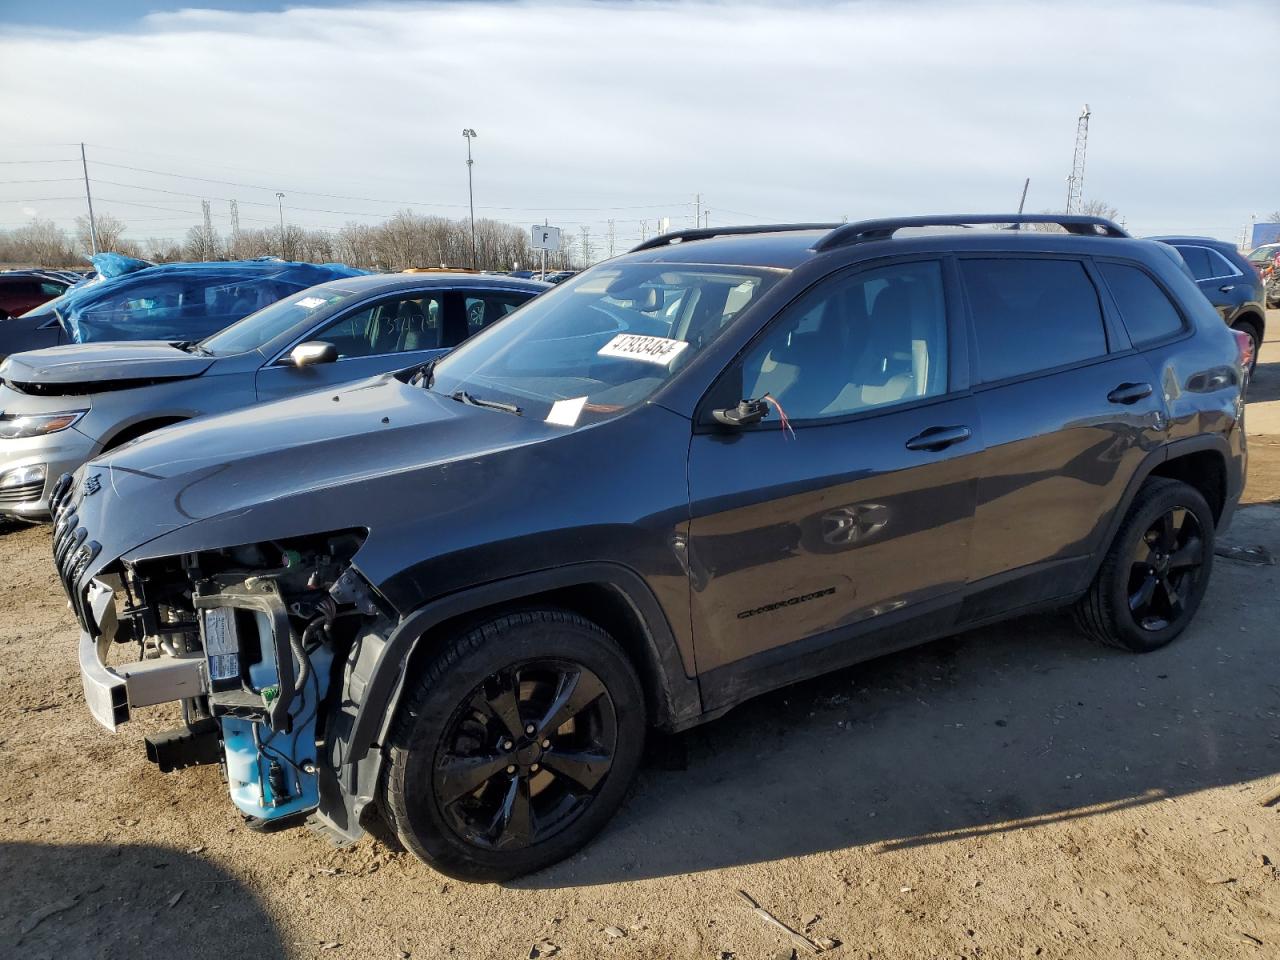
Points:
(463, 397)
(193, 346)
(425, 375)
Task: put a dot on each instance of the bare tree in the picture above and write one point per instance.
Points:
(203, 243)
(38, 243)
(1099, 208)
(110, 235)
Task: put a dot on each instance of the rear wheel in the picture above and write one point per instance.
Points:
(515, 746)
(1155, 574)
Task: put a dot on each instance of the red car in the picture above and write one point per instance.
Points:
(23, 290)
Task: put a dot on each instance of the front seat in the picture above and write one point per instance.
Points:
(413, 327)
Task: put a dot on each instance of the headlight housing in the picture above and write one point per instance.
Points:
(21, 476)
(15, 426)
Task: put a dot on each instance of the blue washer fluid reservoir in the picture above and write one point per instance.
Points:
(249, 759)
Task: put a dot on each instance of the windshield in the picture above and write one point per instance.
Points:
(601, 342)
(259, 329)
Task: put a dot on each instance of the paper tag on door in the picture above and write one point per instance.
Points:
(565, 413)
(635, 346)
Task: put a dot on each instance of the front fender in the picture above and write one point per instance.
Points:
(375, 673)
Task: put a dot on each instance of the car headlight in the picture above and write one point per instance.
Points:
(22, 426)
(20, 476)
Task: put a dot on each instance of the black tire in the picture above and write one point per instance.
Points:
(452, 715)
(1250, 329)
(1107, 613)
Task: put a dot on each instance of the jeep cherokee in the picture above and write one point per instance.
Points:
(459, 595)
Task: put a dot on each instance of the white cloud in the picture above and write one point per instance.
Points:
(810, 111)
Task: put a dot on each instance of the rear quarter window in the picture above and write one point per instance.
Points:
(1031, 315)
(1147, 312)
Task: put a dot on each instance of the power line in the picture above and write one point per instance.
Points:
(46, 180)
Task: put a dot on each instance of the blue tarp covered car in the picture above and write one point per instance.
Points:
(168, 301)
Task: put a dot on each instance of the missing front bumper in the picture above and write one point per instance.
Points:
(111, 692)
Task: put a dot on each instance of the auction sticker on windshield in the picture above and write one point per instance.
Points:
(311, 302)
(634, 346)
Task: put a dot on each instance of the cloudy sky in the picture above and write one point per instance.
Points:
(594, 111)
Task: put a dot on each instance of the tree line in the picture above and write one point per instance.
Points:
(405, 240)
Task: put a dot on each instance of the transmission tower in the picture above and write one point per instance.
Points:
(1075, 182)
(586, 247)
(235, 217)
(613, 236)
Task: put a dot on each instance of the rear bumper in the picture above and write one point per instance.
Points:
(111, 692)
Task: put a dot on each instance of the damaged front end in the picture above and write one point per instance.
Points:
(246, 638)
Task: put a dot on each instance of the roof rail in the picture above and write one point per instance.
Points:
(866, 230)
(704, 233)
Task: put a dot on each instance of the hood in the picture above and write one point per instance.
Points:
(97, 367)
(323, 461)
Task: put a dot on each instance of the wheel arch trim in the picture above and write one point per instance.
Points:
(1213, 443)
(677, 694)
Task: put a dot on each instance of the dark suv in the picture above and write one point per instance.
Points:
(1231, 283)
(724, 462)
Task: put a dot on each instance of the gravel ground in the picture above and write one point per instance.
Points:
(1014, 792)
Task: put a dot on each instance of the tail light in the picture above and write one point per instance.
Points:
(1244, 346)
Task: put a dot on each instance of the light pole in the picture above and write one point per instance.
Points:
(471, 197)
(280, 204)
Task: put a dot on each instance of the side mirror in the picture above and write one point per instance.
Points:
(745, 413)
(313, 352)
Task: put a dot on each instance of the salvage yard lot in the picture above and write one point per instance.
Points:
(1013, 792)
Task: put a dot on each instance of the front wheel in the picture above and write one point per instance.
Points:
(514, 746)
(1156, 571)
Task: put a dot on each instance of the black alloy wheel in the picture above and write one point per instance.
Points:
(1155, 572)
(525, 754)
(1167, 562)
(513, 744)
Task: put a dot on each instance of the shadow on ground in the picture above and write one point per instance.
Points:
(1020, 724)
(1264, 385)
(69, 901)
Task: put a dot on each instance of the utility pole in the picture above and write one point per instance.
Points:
(471, 198)
(207, 241)
(613, 235)
(706, 218)
(697, 209)
(1075, 182)
(280, 204)
(93, 224)
(235, 218)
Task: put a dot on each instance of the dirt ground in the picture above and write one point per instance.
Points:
(1013, 792)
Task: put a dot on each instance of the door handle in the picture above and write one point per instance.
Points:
(1130, 393)
(1226, 288)
(939, 438)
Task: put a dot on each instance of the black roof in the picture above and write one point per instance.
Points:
(1200, 241)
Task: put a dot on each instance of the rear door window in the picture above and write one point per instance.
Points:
(1147, 312)
(1198, 260)
(1221, 266)
(1031, 315)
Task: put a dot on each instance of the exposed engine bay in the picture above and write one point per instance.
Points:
(246, 638)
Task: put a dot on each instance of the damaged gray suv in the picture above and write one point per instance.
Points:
(457, 597)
